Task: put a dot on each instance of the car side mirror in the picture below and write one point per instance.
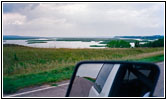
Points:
(113, 79)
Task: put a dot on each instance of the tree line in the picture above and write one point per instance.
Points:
(156, 43)
(125, 44)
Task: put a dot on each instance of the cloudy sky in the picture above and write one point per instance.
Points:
(83, 19)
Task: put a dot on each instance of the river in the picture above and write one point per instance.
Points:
(56, 44)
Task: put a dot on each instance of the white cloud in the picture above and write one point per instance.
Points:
(85, 19)
(13, 18)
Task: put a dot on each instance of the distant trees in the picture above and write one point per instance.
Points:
(137, 44)
(118, 44)
(125, 44)
(156, 43)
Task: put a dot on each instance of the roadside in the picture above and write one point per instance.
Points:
(61, 88)
(40, 66)
(43, 91)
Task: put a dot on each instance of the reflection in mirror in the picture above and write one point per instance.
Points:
(90, 78)
(84, 80)
(116, 80)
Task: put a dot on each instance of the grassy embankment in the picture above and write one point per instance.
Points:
(26, 66)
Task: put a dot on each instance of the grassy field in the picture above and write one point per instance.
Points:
(26, 66)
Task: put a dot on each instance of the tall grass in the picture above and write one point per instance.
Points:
(26, 66)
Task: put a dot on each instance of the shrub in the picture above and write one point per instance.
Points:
(118, 44)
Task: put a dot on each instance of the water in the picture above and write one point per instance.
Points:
(132, 45)
(56, 44)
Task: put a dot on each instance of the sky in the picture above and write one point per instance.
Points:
(83, 19)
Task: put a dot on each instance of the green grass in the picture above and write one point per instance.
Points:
(54, 84)
(90, 79)
(26, 66)
(14, 83)
(157, 58)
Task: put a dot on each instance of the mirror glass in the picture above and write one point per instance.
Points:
(85, 79)
(117, 80)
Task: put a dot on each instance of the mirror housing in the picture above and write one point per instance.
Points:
(113, 79)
